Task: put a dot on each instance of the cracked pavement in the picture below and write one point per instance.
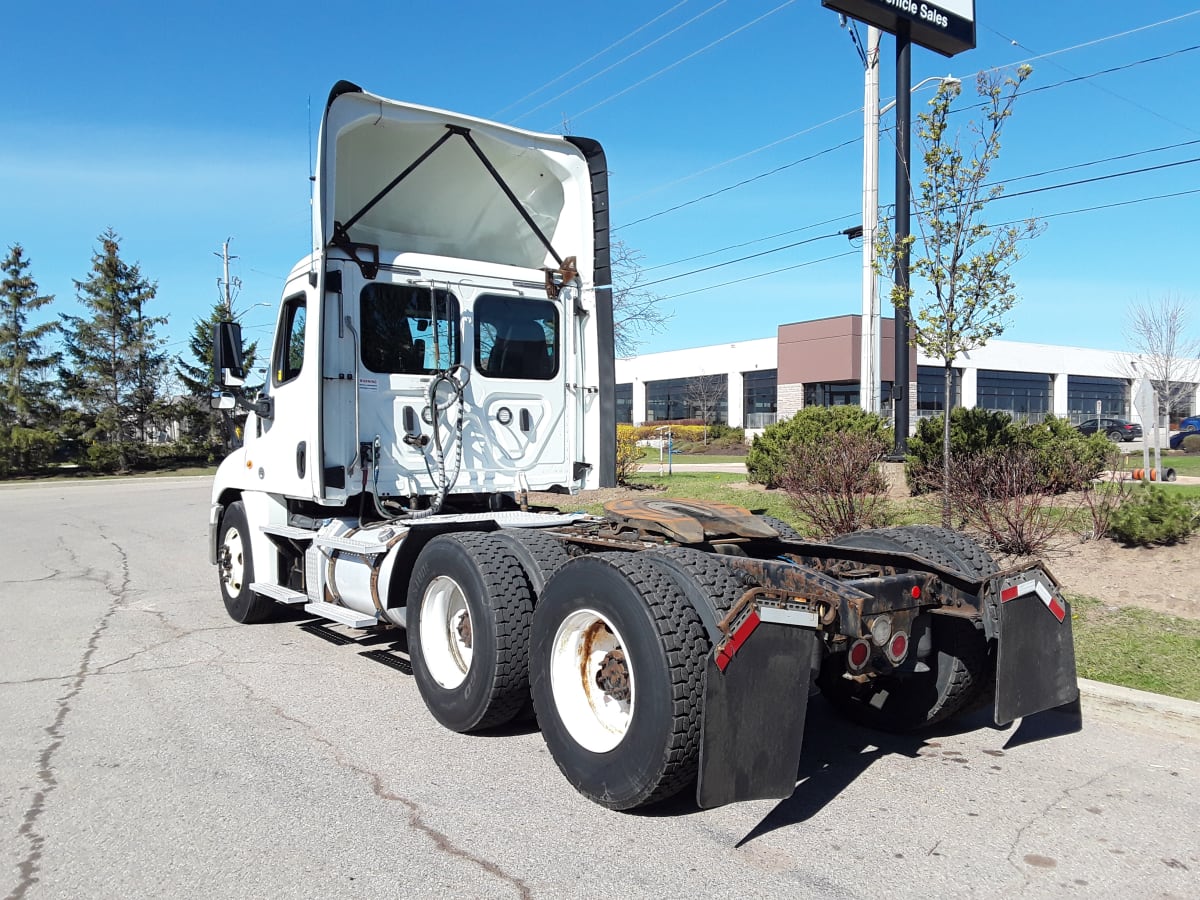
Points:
(152, 747)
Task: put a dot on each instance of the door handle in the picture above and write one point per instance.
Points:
(301, 458)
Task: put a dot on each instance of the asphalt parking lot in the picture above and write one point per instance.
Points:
(151, 747)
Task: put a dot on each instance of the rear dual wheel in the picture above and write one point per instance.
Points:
(469, 611)
(617, 656)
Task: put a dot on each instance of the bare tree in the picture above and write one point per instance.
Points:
(962, 263)
(705, 393)
(636, 310)
(1165, 349)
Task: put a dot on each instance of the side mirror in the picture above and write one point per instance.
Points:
(222, 400)
(228, 364)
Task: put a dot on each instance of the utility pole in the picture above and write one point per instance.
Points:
(869, 377)
(227, 286)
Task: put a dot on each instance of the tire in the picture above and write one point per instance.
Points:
(942, 546)
(786, 531)
(540, 555)
(636, 740)
(235, 569)
(468, 617)
(1116, 437)
(959, 662)
(1188, 428)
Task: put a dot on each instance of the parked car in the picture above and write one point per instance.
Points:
(1190, 424)
(1116, 429)
(1176, 441)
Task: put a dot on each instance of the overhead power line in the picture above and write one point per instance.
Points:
(854, 140)
(683, 59)
(595, 56)
(731, 262)
(621, 61)
(811, 262)
(758, 240)
(1098, 87)
(1100, 40)
(1054, 215)
(740, 184)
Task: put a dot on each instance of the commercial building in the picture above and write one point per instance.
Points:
(752, 383)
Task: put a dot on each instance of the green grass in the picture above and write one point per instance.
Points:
(1183, 463)
(1136, 648)
(650, 456)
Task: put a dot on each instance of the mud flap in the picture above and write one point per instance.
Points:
(1035, 662)
(753, 721)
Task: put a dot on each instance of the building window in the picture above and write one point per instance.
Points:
(931, 390)
(1084, 392)
(1024, 395)
(623, 395)
(673, 399)
(1177, 398)
(841, 393)
(759, 398)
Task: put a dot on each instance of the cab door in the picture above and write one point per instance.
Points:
(517, 391)
(284, 455)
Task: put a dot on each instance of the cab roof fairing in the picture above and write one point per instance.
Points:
(449, 205)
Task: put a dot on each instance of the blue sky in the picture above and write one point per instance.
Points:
(182, 127)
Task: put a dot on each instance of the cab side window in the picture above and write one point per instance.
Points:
(289, 342)
(408, 330)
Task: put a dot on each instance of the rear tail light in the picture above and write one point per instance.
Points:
(859, 655)
(881, 629)
(898, 647)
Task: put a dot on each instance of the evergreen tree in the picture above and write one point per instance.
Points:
(205, 423)
(24, 392)
(116, 364)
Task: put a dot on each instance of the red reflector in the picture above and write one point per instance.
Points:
(916, 592)
(860, 652)
(899, 646)
(1009, 593)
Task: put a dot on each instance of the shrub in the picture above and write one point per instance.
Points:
(835, 483)
(1001, 494)
(26, 450)
(628, 453)
(1064, 459)
(971, 431)
(102, 456)
(773, 450)
(1155, 516)
(1067, 459)
(1191, 443)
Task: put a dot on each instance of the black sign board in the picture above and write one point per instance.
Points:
(946, 26)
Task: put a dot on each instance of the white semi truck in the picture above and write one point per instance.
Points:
(445, 349)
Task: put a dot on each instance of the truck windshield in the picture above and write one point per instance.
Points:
(408, 330)
(516, 338)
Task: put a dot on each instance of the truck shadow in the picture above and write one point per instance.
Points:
(836, 752)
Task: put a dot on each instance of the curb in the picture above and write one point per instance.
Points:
(1183, 714)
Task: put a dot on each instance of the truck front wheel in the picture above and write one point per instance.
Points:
(468, 619)
(235, 567)
(616, 662)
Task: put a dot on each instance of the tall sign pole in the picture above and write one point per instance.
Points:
(947, 27)
(903, 227)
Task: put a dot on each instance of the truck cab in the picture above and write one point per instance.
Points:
(450, 334)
